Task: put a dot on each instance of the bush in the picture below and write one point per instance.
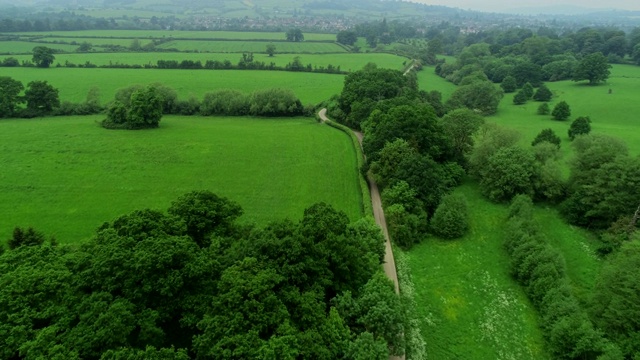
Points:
(579, 126)
(561, 111)
(274, 102)
(225, 102)
(543, 109)
(547, 135)
(520, 98)
(509, 84)
(451, 218)
(527, 89)
(543, 93)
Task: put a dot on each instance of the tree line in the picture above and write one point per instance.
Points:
(194, 282)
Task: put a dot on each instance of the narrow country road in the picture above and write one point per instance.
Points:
(389, 261)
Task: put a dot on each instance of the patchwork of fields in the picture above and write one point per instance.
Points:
(65, 176)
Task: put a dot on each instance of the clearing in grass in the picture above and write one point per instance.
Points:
(65, 176)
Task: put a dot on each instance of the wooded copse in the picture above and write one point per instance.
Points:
(193, 282)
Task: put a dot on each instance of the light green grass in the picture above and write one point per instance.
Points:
(614, 114)
(251, 46)
(26, 47)
(232, 35)
(346, 61)
(75, 83)
(428, 81)
(469, 306)
(65, 176)
(94, 41)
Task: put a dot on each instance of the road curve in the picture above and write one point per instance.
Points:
(378, 213)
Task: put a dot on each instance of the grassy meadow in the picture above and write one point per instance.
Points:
(65, 176)
(252, 46)
(160, 34)
(468, 304)
(75, 83)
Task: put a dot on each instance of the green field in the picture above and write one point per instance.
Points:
(346, 61)
(468, 304)
(159, 34)
(252, 46)
(612, 114)
(26, 47)
(92, 41)
(65, 176)
(75, 83)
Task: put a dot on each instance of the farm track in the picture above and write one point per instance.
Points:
(389, 265)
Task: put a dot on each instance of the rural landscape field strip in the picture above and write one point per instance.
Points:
(65, 176)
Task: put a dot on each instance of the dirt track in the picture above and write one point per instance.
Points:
(389, 261)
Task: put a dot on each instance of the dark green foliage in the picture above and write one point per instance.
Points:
(543, 93)
(271, 50)
(451, 219)
(274, 102)
(543, 109)
(294, 35)
(43, 56)
(368, 86)
(561, 111)
(10, 90)
(508, 84)
(405, 228)
(483, 97)
(527, 89)
(547, 135)
(616, 303)
(41, 97)
(579, 126)
(205, 213)
(347, 37)
(594, 67)
(489, 140)
(520, 98)
(28, 237)
(540, 270)
(225, 102)
(143, 288)
(459, 126)
(138, 107)
(510, 171)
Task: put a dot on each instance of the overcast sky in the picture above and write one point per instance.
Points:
(497, 5)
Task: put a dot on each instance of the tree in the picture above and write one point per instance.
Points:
(41, 97)
(145, 110)
(594, 67)
(561, 111)
(509, 84)
(451, 219)
(28, 237)
(520, 98)
(510, 171)
(294, 35)
(271, 49)
(527, 89)
(43, 56)
(617, 298)
(205, 213)
(635, 55)
(543, 93)
(579, 126)
(547, 135)
(274, 102)
(84, 47)
(460, 125)
(483, 97)
(10, 90)
(543, 109)
(347, 37)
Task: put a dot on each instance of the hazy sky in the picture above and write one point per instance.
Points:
(496, 5)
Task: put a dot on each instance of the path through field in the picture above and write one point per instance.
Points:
(389, 261)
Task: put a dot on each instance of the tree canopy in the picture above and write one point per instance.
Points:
(43, 56)
(10, 90)
(594, 67)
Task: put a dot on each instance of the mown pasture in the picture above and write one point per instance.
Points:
(252, 46)
(162, 34)
(75, 83)
(346, 61)
(26, 47)
(468, 304)
(65, 176)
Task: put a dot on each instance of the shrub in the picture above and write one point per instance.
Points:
(527, 88)
(520, 98)
(579, 126)
(547, 135)
(561, 111)
(451, 218)
(543, 109)
(509, 84)
(543, 93)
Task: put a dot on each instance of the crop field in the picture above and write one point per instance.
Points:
(65, 176)
(612, 114)
(468, 304)
(346, 61)
(160, 34)
(75, 83)
(92, 41)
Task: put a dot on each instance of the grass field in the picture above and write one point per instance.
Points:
(468, 304)
(251, 46)
(65, 176)
(75, 83)
(346, 61)
(24, 47)
(612, 114)
(158, 34)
